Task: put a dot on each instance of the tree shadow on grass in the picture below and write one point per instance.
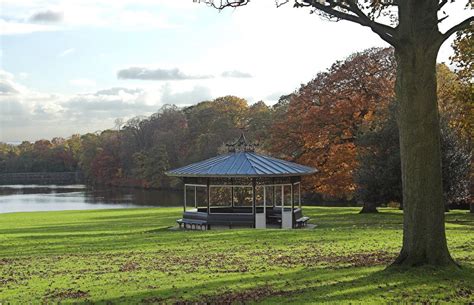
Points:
(320, 285)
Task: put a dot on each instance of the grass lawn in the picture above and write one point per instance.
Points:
(130, 256)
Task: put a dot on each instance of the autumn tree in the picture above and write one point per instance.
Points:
(105, 167)
(455, 100)
(463, 47)
(413, 30)
(318, 124)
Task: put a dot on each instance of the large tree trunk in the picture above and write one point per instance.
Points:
(424, 239)
(368, 207)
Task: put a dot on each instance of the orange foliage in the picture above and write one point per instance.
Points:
(321, 120)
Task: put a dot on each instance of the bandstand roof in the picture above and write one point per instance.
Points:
(242, 161)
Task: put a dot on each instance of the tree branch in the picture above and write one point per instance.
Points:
(458, 27)
(278, 3)
(381, 29)
(385, 32)
(340, 9)
(443, 18)
(441, 4)
(224, 3)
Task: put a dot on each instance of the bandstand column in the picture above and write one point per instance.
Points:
(184, 201)
(195, 197)
(208, 196)
(292, 205)
(282, 200)
(273, 196)
(232, 192)
(299, 195)
(265, 204)
(254, 208)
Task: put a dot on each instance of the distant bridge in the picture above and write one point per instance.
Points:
(60, 178)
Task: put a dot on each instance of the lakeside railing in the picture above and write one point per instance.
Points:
(60, 178)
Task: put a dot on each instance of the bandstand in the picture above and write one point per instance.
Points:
(242, 188)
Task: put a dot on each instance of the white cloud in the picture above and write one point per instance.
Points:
(30, 115)
(285, 48)
(16, 27)
(143, 73)
(187, 97)
(39, 15)
(67, 52)
(46, 16)
(236, 73)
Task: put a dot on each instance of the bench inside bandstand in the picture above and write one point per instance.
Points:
(237, 217)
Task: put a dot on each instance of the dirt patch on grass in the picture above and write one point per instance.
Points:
(212, 262)
(313, 259)
(129, 266)
(5, 261)
(236, 297)
(5, 281)
(225, 298)
(232, 263)
(154, 300)
(369, 259)
(461, 294)
(61, 294)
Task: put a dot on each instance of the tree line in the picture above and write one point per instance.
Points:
(343, 122)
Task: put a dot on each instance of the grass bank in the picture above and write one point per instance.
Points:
(130, 256)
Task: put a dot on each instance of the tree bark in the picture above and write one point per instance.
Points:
(424, 239)
(368, 207)
(471, 207)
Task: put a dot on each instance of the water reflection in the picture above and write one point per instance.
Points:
(20, 198)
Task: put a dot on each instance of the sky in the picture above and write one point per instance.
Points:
(74, 66)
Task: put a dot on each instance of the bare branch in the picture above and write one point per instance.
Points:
(224, 3)
(458, 27)
(342, 10)
(381, 29)
(385, 32)
(278, 3)
(441, 4)
(442, 19)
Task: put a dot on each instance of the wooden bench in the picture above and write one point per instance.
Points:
(300, 220)
(192, 223)
(231, 220)
(274, 215)
(193, 220)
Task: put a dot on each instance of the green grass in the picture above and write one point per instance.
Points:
(130, 256)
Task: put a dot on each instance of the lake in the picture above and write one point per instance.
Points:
(27, 198)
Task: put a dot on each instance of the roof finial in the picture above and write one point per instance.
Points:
(241, 144)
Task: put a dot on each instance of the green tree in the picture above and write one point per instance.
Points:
(379, 173)
(213, 123)
(152, 165)
(90, 146)
(259, 120)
